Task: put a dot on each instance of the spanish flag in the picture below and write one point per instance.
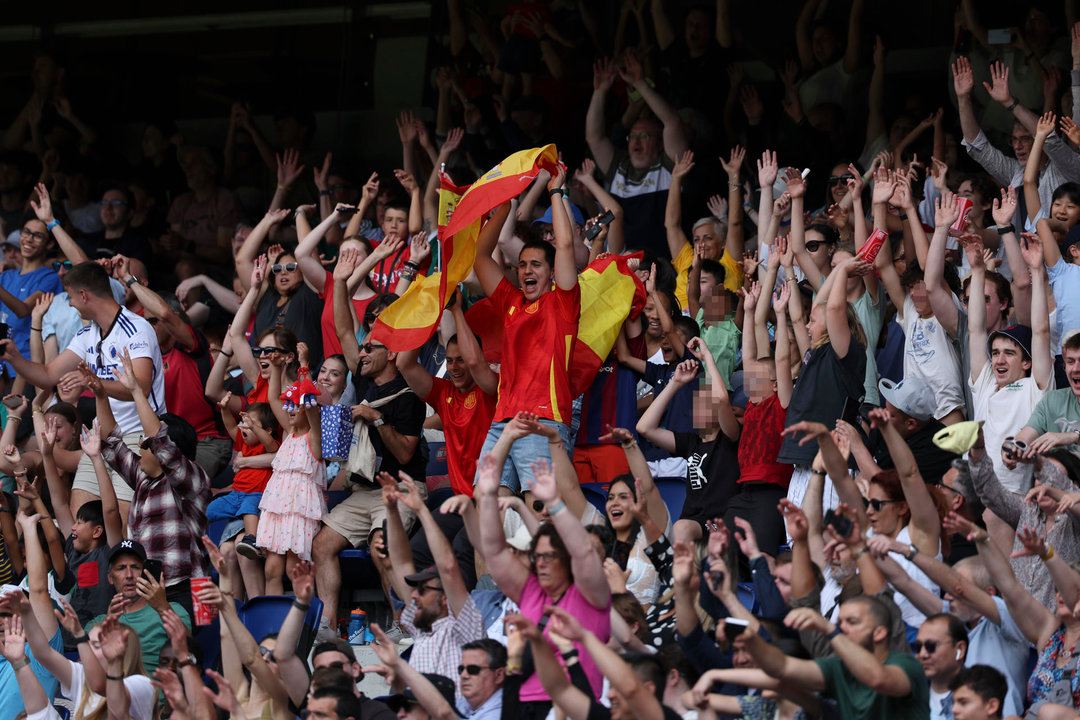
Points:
(412, 318)
(610, 293)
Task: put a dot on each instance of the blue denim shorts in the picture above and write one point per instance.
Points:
(518, 467)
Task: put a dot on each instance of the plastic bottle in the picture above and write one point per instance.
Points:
(358, 627)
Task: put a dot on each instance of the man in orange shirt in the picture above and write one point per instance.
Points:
(540, 324)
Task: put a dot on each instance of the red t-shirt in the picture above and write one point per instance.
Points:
(184, 386)
(330, 343)
(538, 339)
(760, 441)
(250, 480)
(466, 418)
(383, 277)
(259, 393)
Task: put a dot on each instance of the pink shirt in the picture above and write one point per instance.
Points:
(532, 602)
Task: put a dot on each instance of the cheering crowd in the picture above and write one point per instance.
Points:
(829, 468)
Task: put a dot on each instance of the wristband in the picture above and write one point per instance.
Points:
(226, 354)
(410, 263)
(628, 444)
(1014, 104)
(1005, 229)
(734, 185)
(834, 633)
(325, 193)
(301, 606)
(282, 187)
(557, 191)
(34, 329)
(16, 418)
(19, 665)
(903, 216)
(553, 509)
(114, 677)
(912, 552)
(513, 669)
(80, 640)
(53, 223)
(1049, 553)
(38, 409)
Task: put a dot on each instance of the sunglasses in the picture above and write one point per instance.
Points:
(269, 350)
(930, 645)
(474, 669)
(638, 136)
(833, 179)
(267, 654)
(371, 347)
(279, 268)
(66, 264)
(876, 504)
(425, 588)
(370, 317)
(815, 245)
(112, 203)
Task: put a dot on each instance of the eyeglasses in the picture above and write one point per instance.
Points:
(833, 179)
(930, 645)
(638, 136)
(425, 588)
(66, 264)
(269, 350)
(112, 203)
(27, 232)
(371, 347)
(267, 654)
(876, 504)
(547, 557)
(815, 245)
(279, 268)
(475, 669)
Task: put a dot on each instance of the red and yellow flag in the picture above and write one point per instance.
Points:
(610, 293)
(412, 318)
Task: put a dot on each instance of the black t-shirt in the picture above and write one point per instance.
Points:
(712, 473)
(132, 244)
(302, 314)
(87, 577)
(405, 414)
(933, 462)
(827, 382)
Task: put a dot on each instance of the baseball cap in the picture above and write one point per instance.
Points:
(13, 238)
(443, 684)
(1020, 334)
(911, 396)
(423, 576)
(127, 547)
(575, 211)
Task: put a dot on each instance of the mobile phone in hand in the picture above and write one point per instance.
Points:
(734, 627)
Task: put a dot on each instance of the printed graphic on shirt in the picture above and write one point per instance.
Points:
(694, 465)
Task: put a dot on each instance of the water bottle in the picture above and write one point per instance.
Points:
(357, 627)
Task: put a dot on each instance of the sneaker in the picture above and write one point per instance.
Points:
(325, 633)
(246, 547)
(396, 635)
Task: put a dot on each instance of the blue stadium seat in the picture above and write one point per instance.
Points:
(674, 494)
(266, 613)
(596, 493)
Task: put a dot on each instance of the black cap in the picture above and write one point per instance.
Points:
(443, 684)
(127, 547)
(423, 576)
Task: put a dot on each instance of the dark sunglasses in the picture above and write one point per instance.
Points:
(371, 347)
(66, 264)
(930, 645)
(267, 654)
(833, 179)
(425, 588)
(876, 504)
(815, 245)
(269, 350)
(475, 669)
(369, 317)
(278, 268)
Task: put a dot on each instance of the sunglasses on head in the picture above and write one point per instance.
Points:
(833, 179)
(279, 268)
(930, 645)
(66, 264)
(371, 347)
(876, 504)
(269, 350)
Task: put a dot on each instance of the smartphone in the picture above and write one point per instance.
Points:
(596, 227)
(850, 414)
(5, 332)
(346, 209)
(1001, 36)
(154, 567)
(840, 524)
(13, 402)
(734, 627)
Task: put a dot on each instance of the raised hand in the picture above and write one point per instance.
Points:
(973, 249)
(487, 475)
(767, 169)
(43, 207)
(780, 299)
(1032, 250)
(796, 185)
(565, 624)
(1004, 208)
(795, 519)
(168, 682)
(946, 210)
(584, 174)
(718, 206)
(14, 646)
(216, 558)
(370, 190)
(322, 174)
(630, 69)
(419, 248)
(406, 126)
(719, 538)
(684, 164)
(460, 505)
(1046, 125)
(346, 263)
(999, 88)
(41, 306)
(225, 698)
(617, 434)
(733, 165)
(289, 168)
(126, 375)
(1034, 544)
(543, 484)
(685, 372)
(302, 575)
(69, 619)
(963, 77)
(747, 539)
(113, 639)
(452, 142)
(604, 74)
(1071, 129)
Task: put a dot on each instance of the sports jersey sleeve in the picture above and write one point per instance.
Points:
(503, 295)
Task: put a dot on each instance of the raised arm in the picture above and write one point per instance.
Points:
(796, 188)
(675, 142)
(507, 570)
(649, 423)
(43, 209)
(110, 508)
(925, 525)
(245, 256)
(482, 374)
(939, 294)
(600, 145)
(784, 385)
(240, 347)
(1042, 363)
(1045, 126)
(446, 562)
(565, 266)
(487, 270)
(729, 424)
(963, 84)
(973, 248)
(676, 238)
(313, 271)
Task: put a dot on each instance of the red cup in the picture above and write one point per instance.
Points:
(204, 614)
(869, 252)
(960, 226)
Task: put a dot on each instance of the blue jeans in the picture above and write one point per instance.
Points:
(518, 468)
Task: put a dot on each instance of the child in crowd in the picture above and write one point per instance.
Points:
(292, 503)
(255, 439)
(713, 306)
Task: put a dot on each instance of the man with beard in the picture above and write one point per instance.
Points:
(865, 677)
(993, 637)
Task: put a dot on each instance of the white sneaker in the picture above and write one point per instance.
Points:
(325, 633)
(396, 635)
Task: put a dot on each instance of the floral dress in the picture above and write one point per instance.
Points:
(292, 505)
(1047, 673)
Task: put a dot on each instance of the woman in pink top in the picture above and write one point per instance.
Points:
(563, 568)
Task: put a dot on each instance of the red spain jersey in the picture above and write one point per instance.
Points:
(466, 418)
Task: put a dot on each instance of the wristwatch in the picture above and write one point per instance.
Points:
(378, 422)
(189, 660)
(131, 281)
(912, 552)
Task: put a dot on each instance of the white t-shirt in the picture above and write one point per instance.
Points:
(911, 614)
(1005, 412)
(130, 331)
(139, 688)
(643, 582)
(931, 356)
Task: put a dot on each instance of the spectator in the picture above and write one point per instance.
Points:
(941, 647)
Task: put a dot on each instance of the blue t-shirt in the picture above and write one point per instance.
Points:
(23, 286)
(1065, 284)
(11, 702)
